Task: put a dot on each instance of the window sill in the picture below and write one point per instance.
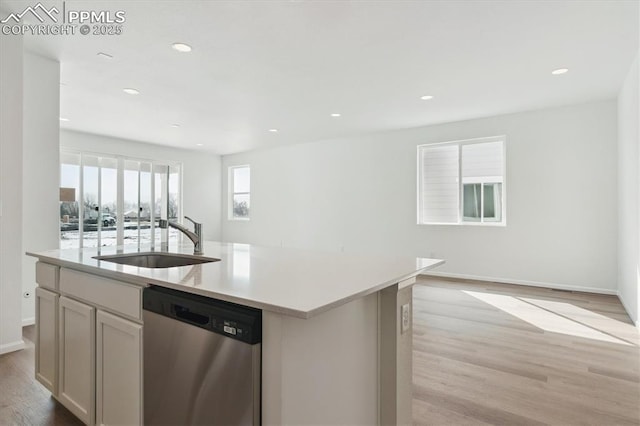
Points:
(489, 224)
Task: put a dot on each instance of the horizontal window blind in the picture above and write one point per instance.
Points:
(439, 184)
(481, 160)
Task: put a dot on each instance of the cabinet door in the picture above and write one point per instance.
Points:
(47, 339)
(119, 371)
(76, 388)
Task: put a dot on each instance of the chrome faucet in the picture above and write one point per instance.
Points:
(195, 236)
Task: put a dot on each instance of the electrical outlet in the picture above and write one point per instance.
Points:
(406, 318)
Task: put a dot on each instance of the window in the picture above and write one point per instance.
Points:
(239, 192)
(462, 182)
(107, 200)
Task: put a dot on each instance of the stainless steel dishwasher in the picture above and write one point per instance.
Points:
(202, 360)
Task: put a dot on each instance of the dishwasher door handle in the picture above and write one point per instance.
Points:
(192, 317)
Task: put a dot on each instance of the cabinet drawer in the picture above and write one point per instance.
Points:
(47, 275)
(115, 296)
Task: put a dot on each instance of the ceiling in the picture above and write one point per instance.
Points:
(288, 65)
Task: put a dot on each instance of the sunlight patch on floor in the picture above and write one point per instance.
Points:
(542, 318)
(619, 329)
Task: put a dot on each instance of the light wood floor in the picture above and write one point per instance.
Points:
(483, 354)
(488, 353)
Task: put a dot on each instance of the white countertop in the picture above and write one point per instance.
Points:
(299, 283)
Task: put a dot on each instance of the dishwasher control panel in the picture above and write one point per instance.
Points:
(229, 319)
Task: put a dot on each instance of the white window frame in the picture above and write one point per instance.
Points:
(462, 181)
(480, 181)
(231, 189)
(120, 160)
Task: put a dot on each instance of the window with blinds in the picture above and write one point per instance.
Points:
(462, 182)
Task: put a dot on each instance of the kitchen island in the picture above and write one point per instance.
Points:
(335, 348)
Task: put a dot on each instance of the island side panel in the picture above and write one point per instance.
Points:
(329, 367)
(404, 395)
(271, 409)
(396, 357)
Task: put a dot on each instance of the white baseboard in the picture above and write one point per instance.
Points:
(553, 286)
(28, 321)
(11, 347)
(626, 308)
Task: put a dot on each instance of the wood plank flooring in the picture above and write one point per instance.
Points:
(484, 354)
(488, 353)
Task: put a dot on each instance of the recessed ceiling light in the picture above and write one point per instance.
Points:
(130, 91)
(105, 55)
(175, 126)
(426, 97)
(199, 144)
(181, 47)
(64, 119)
(335, 114)
(560, 71)
(273, 130)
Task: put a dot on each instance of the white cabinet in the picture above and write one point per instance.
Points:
(99, 340)
(77, 358)
(89, 344)
(47, 339)
(118, 371)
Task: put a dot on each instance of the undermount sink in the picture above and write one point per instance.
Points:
(156, 259)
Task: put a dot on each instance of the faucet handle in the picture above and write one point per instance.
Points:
(192, 221)
(197, 227)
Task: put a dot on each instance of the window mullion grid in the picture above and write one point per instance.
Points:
(232, 188)
(481, 202)
(460, 187)
(120, 201)
(99, 218)
(84, 210)
(419, 195)
(138, 204)
(81, 206)
(152, 205)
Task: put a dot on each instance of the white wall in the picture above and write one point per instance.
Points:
(629, 192)
(201, 172)
(41, 168)
(10, 193)
(360, 194)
